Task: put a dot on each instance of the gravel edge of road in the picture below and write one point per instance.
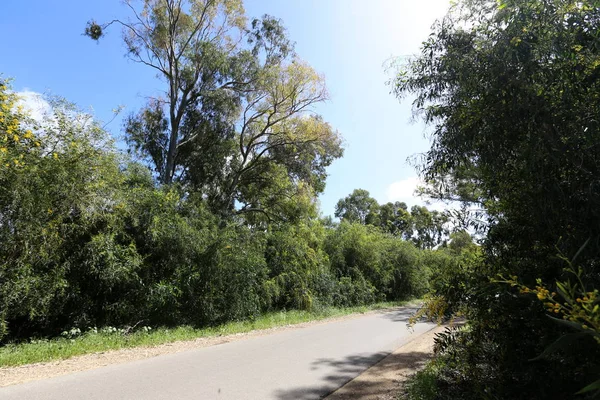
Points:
(383, 381)
(31, 372)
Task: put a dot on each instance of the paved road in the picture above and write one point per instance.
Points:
(296, 364)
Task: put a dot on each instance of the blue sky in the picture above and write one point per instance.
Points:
(347, 40)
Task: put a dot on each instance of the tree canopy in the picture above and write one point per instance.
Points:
(425, 228)
(237, 107)
(358, 206)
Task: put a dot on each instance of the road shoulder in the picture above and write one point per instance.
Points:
(384, 380)
(31, 372)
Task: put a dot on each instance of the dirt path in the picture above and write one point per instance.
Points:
(383, 381)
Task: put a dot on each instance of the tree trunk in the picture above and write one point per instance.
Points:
(170, 166)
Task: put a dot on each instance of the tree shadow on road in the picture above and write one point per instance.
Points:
(399, 315)
(348, 368)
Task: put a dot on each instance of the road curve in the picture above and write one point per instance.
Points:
(296, 364)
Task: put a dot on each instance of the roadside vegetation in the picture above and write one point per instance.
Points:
(209, 222)
(511, 90)
(76, 342)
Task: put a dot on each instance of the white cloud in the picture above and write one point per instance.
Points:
(46, 123)
(404, 190)
(35, 105)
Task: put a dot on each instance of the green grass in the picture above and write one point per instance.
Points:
(89, 342)
(422, 385)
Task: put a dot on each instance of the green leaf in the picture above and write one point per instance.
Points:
(559, 344)
(581, 248)
(590, 387)
(570, 324)
(563, 292)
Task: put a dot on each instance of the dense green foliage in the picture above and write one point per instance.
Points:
(425, 228)
(236, 119)
(511, 90)
(212, 214)
(89, 238)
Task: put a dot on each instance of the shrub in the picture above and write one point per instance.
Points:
(391, 266)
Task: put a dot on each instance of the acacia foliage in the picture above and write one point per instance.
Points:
(511, 90)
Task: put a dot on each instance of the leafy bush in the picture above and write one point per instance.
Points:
(298, 266)
(422, 385)
(508, 88)
(352, 292)
(88, 238)
(391, 266)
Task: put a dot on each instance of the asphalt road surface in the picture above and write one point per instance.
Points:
(295, 364)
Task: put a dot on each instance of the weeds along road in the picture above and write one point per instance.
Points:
(296, 364)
